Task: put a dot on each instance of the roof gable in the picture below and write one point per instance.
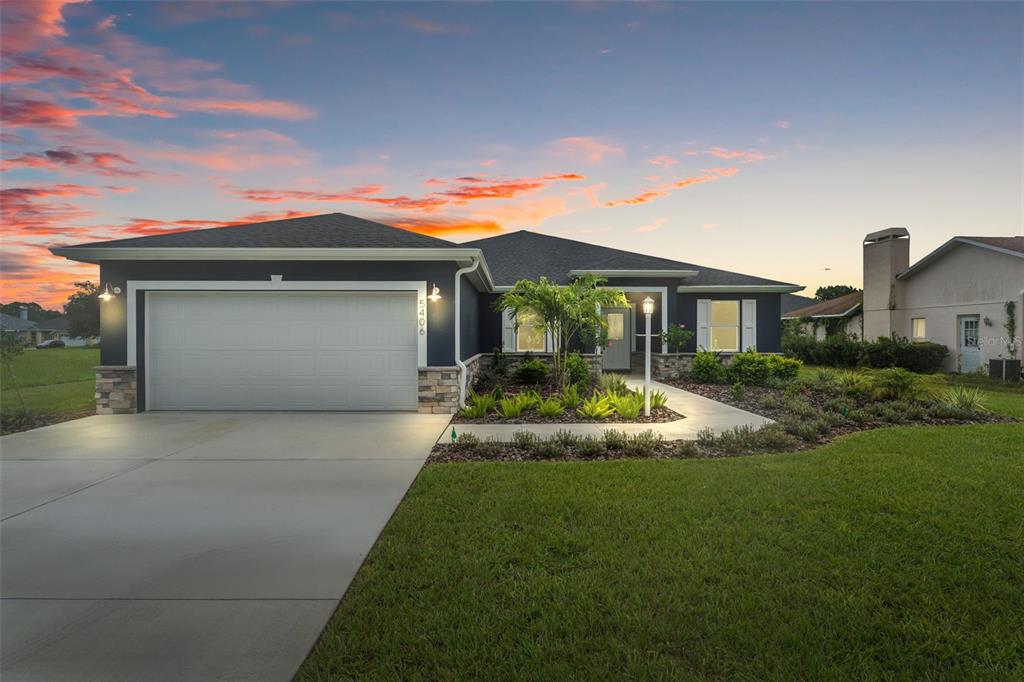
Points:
(1011, 246)
(841, 306)
(530, 255)
(329, 231)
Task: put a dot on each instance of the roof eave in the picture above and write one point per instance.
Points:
(946, 247)
(604, 272)
(739, 288)
(851, 311)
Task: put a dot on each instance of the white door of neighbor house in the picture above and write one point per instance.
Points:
(970, 353)
(300, 350)
(616, 353)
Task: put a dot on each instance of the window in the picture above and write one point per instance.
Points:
(918, 329)
(530, 335)
(616, 326)
(725, 325)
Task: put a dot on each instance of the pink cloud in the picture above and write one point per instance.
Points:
(267, 108)
(429, 27)
(589, 149)
(653, 226)
(663, 190)
(744, 155)
(782, 124)
(665, 162)
(110, 164)
(488, 162)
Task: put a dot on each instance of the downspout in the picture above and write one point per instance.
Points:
(458, 328)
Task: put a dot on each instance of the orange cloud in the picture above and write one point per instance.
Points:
(589, 149)
(709, 175)
(473, 188)
(446, 226)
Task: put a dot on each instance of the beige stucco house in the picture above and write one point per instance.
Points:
(957, 295)
(840, 315)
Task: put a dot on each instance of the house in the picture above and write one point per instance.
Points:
(33, 333)
(334, 312)
(840, 315)
(962, 295)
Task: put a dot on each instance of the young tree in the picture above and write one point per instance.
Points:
(10, 347)
(564, 310)
(83, 310)
(834, 291)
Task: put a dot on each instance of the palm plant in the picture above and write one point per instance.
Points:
(563, 310)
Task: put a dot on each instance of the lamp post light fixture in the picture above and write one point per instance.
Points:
(435, 294)
(648, 308)
(108, 293)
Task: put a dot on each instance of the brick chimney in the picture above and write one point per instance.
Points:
(886, 254)
(23, 311)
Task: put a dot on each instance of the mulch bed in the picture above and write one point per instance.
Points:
(509, 452)
(18, 424)
(658, 415)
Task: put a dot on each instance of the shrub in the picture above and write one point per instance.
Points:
(805, 430)
(628, 405)
(577, 370)
(748, 367)
(916, 356)
(707, 368)
(644, 444)
(675, 338)
(571, 398)
(706, 437)
(499, 362)
(738, 391)
(687, 449)
(596, 407)
(548, 449)
(780, 367)
(565, 437)
(591, 447)
(532, 371)
(613, 383)
(736, 439)
(552, 407)
(467, 442)
(473, 411)
(895, 383)
(941, 410)
(800, 406)
(658, 398)
(854, 385)
(525, 439)
(964, 399)
(827, 380)
(513, 406)
(774, 437)
(615, 440)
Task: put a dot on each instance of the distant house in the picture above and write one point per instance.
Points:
(791, 302)
(960, 295)
(33, 333)
(834, 316)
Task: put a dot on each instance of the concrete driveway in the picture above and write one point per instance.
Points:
(190, 545)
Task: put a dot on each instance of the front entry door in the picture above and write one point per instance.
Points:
(616, 353)
(970, 354)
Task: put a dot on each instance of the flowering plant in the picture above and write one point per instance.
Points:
(676, 338)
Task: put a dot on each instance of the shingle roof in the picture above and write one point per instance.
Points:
(840, 305)
(795, 302)
(54, 324)
(15, 324)
(328, 231)
(529, 255)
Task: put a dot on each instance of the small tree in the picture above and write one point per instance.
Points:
(83, 310)
(10, 347)
(564, 310)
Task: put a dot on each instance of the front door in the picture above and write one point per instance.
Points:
(616, 353)
(970, 354)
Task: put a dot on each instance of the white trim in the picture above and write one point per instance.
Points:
(740, 288)
(748, 324)
(634, 273)
(135, 285)
(458, 329)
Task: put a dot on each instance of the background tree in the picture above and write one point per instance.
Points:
(10, 347)
(834, 291)
(563, 310)
(36, 312)
(83, 310)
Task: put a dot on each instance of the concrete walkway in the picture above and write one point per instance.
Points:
(699, 412)
(190, 546)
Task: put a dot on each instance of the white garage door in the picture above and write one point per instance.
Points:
(303, 350)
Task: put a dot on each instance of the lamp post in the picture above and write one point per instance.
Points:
(648, 307)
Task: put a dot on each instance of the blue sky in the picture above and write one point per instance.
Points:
(766, 137)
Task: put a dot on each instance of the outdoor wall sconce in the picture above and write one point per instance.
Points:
(108, 293)
(435, 293)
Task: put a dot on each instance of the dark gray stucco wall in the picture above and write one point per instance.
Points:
(489, 323)
(113, 320)
(469, 327)
(769, 312)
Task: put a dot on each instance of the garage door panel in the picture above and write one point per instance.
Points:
(281, 350)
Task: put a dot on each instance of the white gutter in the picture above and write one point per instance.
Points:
(739, 288)
(458, 329)
(604, 272)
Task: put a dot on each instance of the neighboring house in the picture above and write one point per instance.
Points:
(33, 333)
(834, 316)
(332, 312)
(957, 295)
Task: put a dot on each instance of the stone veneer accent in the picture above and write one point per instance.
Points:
(116, 389)
(669, 365)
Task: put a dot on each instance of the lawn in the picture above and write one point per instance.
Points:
(894, 553)
(59, 380)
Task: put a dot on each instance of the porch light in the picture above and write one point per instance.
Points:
(435, 294)
(648, 304)
(108, 293)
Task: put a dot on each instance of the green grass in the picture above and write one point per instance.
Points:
(894, 553)
(52, 381)
(1000, 397)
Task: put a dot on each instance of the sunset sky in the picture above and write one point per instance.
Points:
(766, 138)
